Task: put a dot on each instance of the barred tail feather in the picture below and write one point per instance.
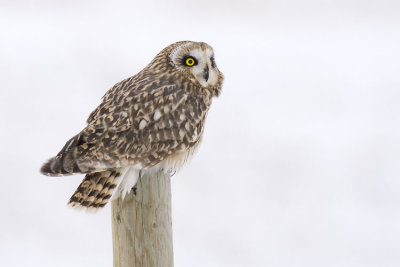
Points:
(96, 189)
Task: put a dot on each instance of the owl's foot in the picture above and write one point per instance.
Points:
(134, 190)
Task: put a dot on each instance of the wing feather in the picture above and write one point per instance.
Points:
(123, 130)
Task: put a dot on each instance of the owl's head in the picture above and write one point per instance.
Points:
(196, 61)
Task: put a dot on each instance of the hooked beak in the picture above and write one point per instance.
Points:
(206, 74)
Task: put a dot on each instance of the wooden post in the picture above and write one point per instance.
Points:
(142, 224)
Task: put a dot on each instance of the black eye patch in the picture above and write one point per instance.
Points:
(189, 61)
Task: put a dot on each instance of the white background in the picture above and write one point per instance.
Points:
(299, 164)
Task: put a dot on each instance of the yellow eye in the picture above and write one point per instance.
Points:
(190, 61)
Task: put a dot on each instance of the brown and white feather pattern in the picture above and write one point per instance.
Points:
(154, 118)
(96, 189)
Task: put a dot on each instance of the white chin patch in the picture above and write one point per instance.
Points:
(212, 77)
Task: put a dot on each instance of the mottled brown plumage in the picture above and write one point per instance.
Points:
(153, 118)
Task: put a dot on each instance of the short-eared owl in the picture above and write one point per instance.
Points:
(152, 120)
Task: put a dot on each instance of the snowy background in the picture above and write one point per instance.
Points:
(300, 162)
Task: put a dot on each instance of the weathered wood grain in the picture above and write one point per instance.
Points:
(142, 224)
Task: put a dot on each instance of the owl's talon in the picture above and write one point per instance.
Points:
(134, 190)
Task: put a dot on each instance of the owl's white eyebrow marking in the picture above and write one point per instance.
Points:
(198, 54)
